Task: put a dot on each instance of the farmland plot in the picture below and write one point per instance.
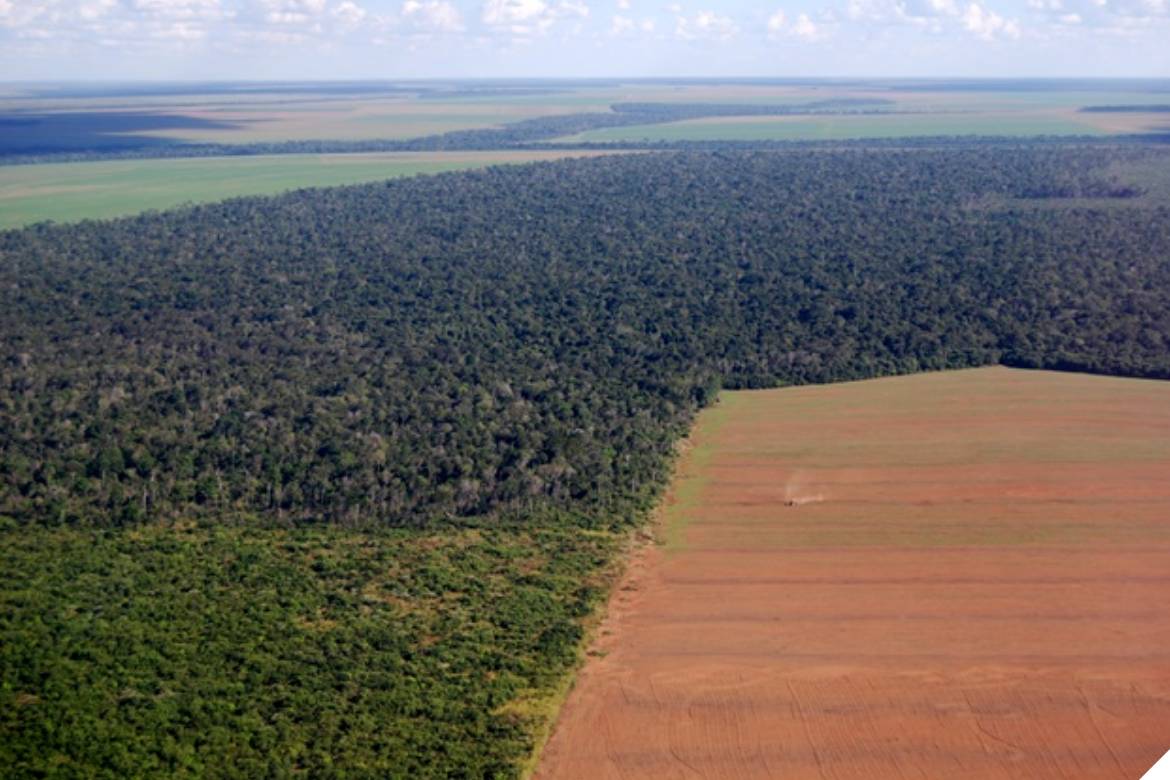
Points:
(957, 575)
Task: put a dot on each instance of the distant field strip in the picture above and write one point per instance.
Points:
(959, 575)
(842, 127)
(68, 192)
(363, 119)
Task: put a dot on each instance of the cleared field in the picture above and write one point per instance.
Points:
(219, 118)
(68, 192)
(960, 575)
(841, 127)
(363, 120)
(359, 120)
(328, 112)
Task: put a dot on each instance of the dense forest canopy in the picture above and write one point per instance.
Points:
(325, 485)
(499, 345)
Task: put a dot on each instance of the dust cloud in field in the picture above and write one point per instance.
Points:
(797, 491)
(974, 588)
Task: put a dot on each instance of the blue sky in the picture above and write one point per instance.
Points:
(273, 39)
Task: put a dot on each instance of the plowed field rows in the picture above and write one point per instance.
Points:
(959, 575)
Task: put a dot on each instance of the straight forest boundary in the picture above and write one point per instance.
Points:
(77, 152)
(331, 482)
(958, 574)
(70, 192)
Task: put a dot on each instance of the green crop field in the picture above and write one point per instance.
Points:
(841, 127)
(67, 192)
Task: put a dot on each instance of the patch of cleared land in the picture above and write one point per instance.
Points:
(846, 126)
(68, 192)
(358, 120)
(1123, 123)
(279, 116)
(275, 117)
(959, 575)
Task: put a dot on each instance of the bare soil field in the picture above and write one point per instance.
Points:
(956, 575)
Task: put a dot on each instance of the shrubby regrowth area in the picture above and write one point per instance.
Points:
(397, 430)
(260, 653)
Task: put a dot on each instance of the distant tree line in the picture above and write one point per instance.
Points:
(536, 133)
(676, 112)
(489, 140)
(534, 339)
(1138, 108)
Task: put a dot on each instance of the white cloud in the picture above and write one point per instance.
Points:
(89, 11)
(279, 12)
(1135, 9)
(142, 23)
(181, 31)
(349, 13)
(948, 7)
(869, 10)
(20, 13)
(1136, 29)
(1101, 15)
(922, 13)
(278, 37)
(121, 24)
(192, 10)
(806, 28)
(939, 16)
(621, 25)
(802, 26)
(510, 12)
(987, 24)
(433, 15)
(526, 18)
(776, 23)
(706, 25)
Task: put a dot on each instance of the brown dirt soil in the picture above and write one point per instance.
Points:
(973, 583)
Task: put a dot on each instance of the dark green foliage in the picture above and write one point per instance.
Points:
(499, 365)
(540, 138)
(501, 342)
(194, 652)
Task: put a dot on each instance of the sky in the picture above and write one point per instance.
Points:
(388, 39)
